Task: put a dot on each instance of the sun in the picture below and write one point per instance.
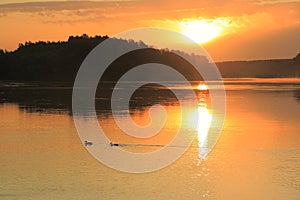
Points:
(203, 30)
(202, 87)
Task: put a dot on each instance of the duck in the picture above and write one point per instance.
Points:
(112, 144)
(87, 143)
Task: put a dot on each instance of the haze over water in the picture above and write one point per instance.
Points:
(256, 157)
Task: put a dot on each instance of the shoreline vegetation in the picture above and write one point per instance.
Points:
(60, 61)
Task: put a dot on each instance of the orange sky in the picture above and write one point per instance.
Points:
(254, 29)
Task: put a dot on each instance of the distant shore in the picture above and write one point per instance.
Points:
(60, 61)
(275, 68)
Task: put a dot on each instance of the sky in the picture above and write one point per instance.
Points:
(227, 29)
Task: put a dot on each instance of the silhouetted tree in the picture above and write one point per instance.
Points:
(60, 61)
(297, 58)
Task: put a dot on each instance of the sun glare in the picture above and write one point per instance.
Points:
(202, 87)
(203, 30)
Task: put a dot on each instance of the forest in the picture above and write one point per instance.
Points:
(60, 61)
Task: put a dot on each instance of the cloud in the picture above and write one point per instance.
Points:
(264, 2)
(246, 14)
(143, 9)
(56, 20)
(65, 8)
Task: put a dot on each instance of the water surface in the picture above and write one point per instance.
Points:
(256, 157)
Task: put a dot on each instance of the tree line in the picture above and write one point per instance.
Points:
(60, 61)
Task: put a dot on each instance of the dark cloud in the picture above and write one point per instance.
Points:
(61, 6)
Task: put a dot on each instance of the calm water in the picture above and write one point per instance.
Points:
(256, 157)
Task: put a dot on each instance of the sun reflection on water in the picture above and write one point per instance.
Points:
(204, 122)
(200, 120)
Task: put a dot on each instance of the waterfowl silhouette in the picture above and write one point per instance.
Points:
(87, 143)
(112, 144)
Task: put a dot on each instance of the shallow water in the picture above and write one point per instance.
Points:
(256, 157)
